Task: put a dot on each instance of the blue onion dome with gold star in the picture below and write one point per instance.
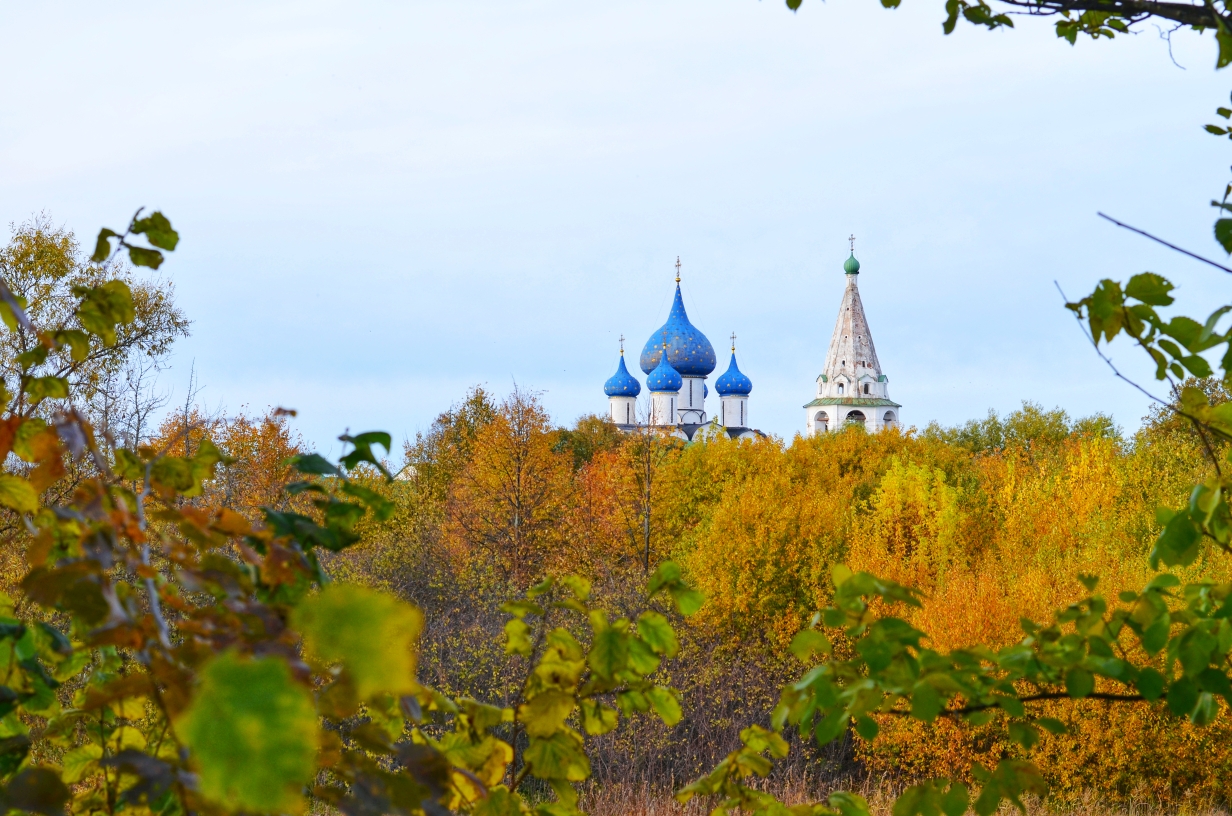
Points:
(688, 350)
(622, 383)
(733, 382)
(664, 377)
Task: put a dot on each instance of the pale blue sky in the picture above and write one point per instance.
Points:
(384, 203)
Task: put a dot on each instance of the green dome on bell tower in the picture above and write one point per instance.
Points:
(851, 266)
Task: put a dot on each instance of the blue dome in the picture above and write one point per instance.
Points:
(688, 350)
(622, 383)
(664, 377)
(705, 391)
(733, 382)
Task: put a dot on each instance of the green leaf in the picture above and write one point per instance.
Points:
(80, 762)
(140, 256)
(104, 307)
(658, 634)
(1079, 682)
(41, 388)
(926, 703)
(954, 801)
(1224, 38)
(688, 601)
(1150, 288)
(760, 739)
(102, 246)
(157, 230)
(867, 727)
(381, 507)
(1023, 734)
(374, 635)
(546, 712)
(559, 756)
(597, 718)
(665, 703)
(314, 464)
(1179, 543)
(363, 450)
(78, 343)
(1182, 696)
(579, 586)
(1223, 234)
(252, 732)
(18, 494)
(609, 652)
(809, 644)
(666, 574)
(1051, 725)
(517, 638)
(642, 658)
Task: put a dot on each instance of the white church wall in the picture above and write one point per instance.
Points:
(663, 407)
(691, 405)
(623, 410)
(734, 412)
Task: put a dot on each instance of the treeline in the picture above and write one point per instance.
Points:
(994, 519)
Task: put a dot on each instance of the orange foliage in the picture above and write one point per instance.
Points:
(258, 447)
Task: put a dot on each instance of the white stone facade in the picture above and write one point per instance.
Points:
(691, 405)
(623, 410)
(734, 411)
(663, 408)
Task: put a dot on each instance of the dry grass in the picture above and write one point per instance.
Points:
(644, 800)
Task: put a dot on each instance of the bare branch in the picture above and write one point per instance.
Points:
(1165, 243)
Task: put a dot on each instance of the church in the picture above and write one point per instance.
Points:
(852, 388)
(677, 360)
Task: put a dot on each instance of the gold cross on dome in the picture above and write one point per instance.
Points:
(677, 269)
(733, 342)
(853, 242)
(622, 345)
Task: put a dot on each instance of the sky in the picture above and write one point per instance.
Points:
(384, 204)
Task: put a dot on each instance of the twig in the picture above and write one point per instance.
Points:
(1033, 698)
(1165, 243)
(156, 609)
(1171, 406)
(1105, 357)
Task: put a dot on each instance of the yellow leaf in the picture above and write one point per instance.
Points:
(18, 494)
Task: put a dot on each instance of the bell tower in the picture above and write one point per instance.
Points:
(852, 388)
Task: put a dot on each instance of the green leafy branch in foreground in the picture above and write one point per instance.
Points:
(174, 658)
(1097, 19)
(585, 673)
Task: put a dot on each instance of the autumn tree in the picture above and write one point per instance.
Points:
(507, 503)
(45, 269)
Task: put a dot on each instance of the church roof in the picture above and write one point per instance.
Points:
(733, 382)
(664, 378)
(851, 346)
(622, 383)
(866, 402)
(688, 350)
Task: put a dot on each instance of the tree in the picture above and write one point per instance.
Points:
(507, 503)
(44, 268)
(1094, 18)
